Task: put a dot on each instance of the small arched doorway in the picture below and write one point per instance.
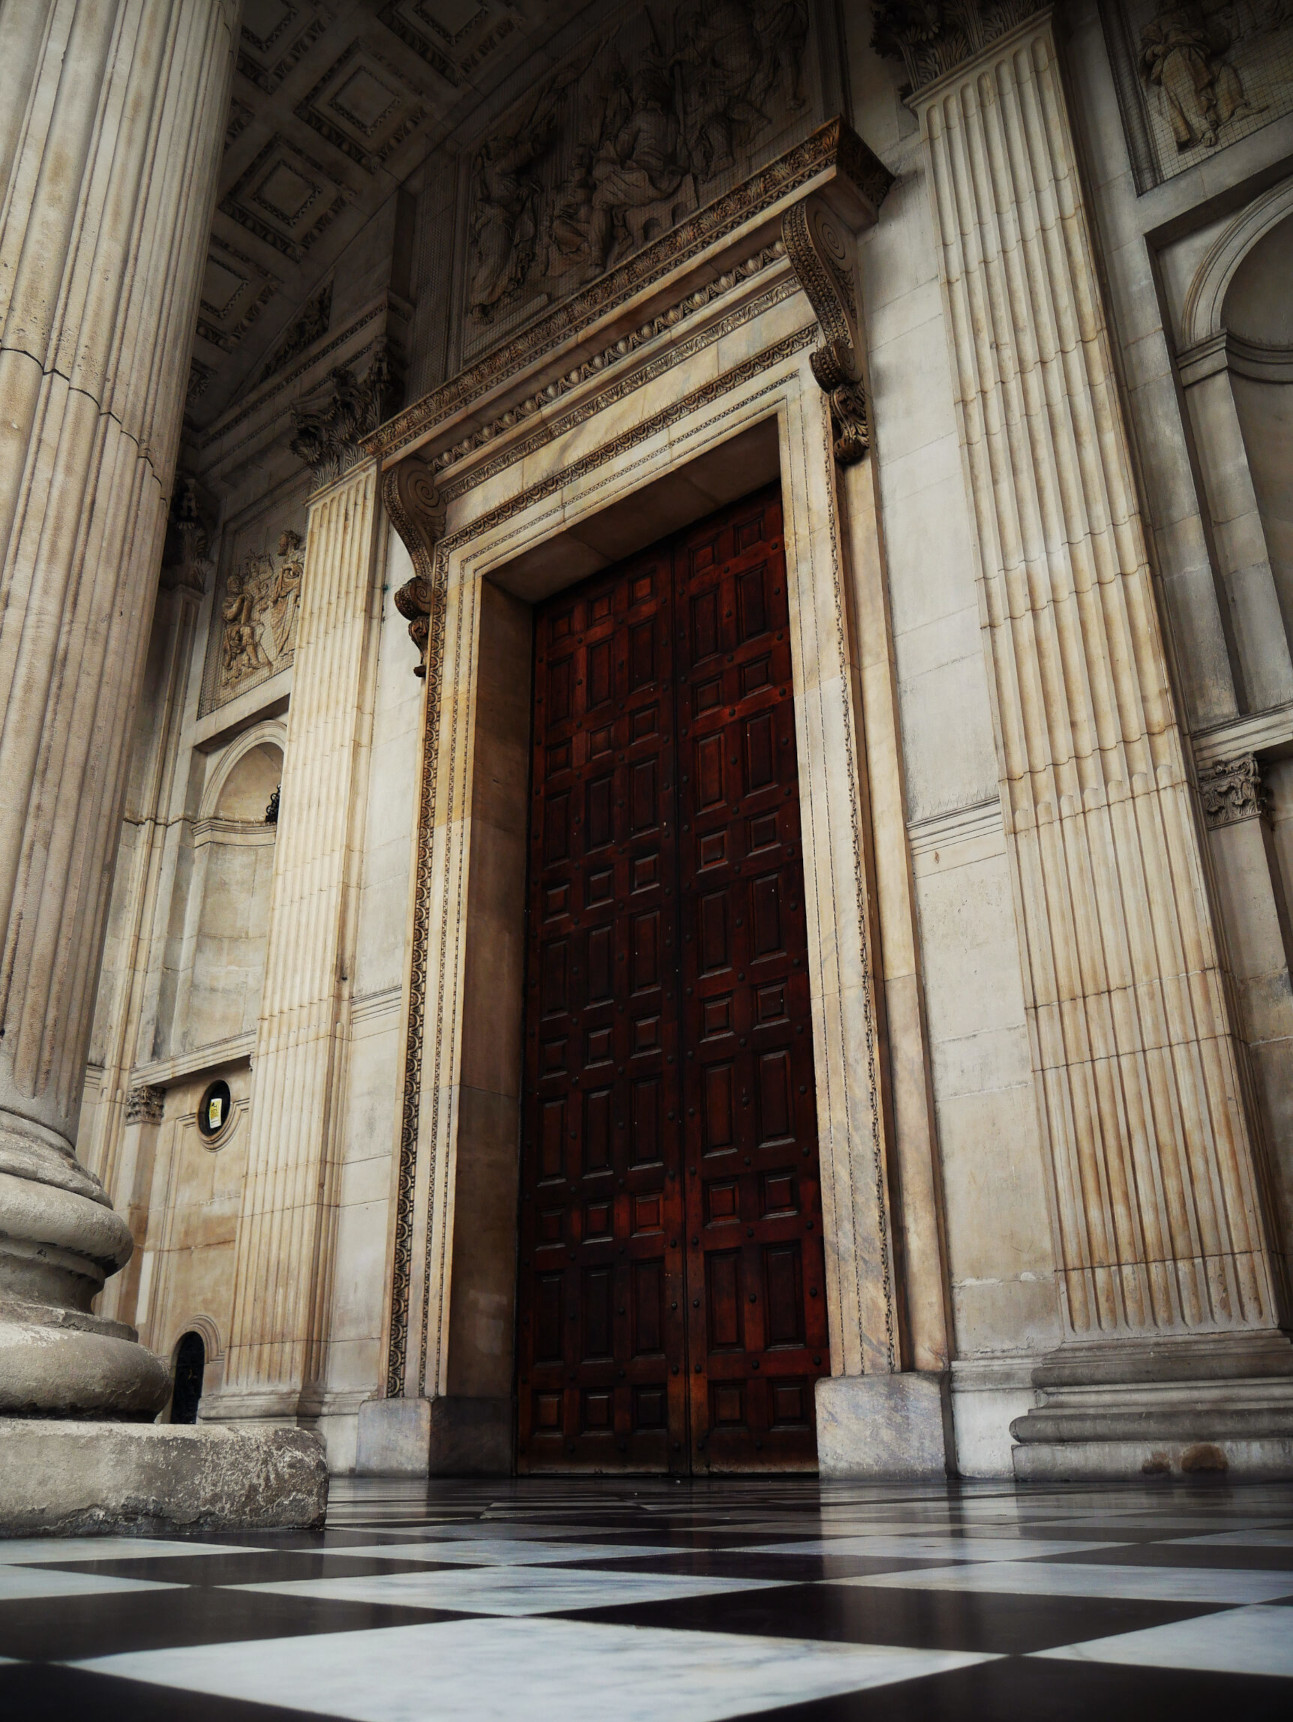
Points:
(190, 1364)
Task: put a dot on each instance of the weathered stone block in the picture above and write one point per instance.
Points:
(70, 1478)
(882, 1425)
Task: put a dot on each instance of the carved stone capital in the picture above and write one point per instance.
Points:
(1232, 791)
(819, 246)
(415, 511)
(145, 1104)
(933, 37)
(331, 427)
(186, 561)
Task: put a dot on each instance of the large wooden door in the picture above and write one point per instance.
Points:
(671, 1310)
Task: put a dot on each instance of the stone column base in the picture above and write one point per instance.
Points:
(883, 1426)
(70, 1479)
(450, 1437)
(1187, 1407)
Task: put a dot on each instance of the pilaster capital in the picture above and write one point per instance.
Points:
(331, 425)
(935, 37)
(1232, 791)
(145, 1104)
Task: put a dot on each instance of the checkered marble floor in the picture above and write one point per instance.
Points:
(637, 1600)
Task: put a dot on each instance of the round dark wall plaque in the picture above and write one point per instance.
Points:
(213, 1113)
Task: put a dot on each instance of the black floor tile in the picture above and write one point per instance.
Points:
(38, 1692)
(74, 1628)
(264, 1566)
(922, 1620)
(787, 1569)
(1021, 1689)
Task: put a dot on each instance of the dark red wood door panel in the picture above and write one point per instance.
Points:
(671, 1310)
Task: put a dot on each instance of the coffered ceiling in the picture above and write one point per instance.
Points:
(334, 106)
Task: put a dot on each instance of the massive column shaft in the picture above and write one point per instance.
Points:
(1160, 1219)
(280, 1285)
(111, 119)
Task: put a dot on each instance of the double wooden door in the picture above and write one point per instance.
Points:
(671, 1302)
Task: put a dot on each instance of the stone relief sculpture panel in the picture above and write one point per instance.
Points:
(253, 624)
(1197, 76)
(665, 108)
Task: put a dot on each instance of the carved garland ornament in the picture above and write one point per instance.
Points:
(145, 1104)
(818, 245)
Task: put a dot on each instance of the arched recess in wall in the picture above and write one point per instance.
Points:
(1257, 313)
(233, 856)
(1236, 364)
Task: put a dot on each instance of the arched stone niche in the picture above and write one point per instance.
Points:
(1257, 314)
(222, 958)
(1236, 365)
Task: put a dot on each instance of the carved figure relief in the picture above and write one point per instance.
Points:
(623, 141)
(258, 614)
(1196, 75)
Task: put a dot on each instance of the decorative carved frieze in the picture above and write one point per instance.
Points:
(819, 246)
(145, 1105)
(309, 327)
(330, 430)
(258, 614)
(933, 37)
(623, 140)
(832, 148)
(415, 511)
(1232, 790)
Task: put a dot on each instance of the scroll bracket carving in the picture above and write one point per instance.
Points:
(819, 244)
(417, 514)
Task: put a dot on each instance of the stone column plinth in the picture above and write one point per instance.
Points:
(1161, 1221)
(111, 117)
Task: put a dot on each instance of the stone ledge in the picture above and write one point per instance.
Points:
(883, 1426)
(70, 1478)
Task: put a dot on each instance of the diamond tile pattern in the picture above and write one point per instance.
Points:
(644, 1599)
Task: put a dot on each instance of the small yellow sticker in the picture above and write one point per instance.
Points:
(215, 1111)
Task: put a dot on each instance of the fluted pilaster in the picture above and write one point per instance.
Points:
(1159, 1209)
(111, 118)
(280, 1287)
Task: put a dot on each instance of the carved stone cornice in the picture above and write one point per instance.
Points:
(819, 246)
(831, 154)
(415, 511)
(145, 1104)
(1232, 791)
(934, 37)
(331, 429)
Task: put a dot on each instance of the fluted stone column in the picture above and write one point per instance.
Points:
(111, 120)
(1166, 1260)
(283, 1250)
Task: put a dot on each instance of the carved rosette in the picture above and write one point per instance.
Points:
(145, 1104)
(819, 246)
(415, 511)
(1232, 791)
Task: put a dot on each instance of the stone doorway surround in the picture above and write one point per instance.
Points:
(750, 372)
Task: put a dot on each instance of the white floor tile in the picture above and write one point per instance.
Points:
(19, 1584)
(1240, 1641)
(922, 1546)
(497, 1552)
(497, 1671)
(25, 1551)
(1044, 1578)
(503, 1590)
(1281, 1537)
